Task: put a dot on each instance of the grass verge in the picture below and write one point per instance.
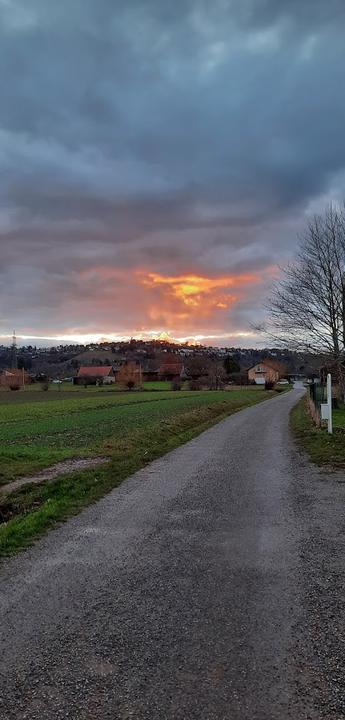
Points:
(322, 448)
(28, 513)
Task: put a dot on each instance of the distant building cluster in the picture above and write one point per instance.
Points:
(136, 361)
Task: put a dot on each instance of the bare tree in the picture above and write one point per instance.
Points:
(306, 309)
(216, 375)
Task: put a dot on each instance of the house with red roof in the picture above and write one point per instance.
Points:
(94, 374)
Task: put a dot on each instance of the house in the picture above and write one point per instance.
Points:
(266, 371)
(93, 375)
(171, 367)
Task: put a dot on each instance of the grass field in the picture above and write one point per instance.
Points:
(322, 448)
(34, 435)
(54, 389)
(130, 428)
(157, 385)
(339, 418)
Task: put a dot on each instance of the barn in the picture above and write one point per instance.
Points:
(94, 375)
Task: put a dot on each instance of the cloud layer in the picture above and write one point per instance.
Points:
(143, 144)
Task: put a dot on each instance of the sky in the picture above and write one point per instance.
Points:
(159, 159)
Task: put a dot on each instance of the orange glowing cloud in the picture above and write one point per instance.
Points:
(199, 292)
(190, 302)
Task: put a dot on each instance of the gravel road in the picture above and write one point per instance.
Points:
(210, 585)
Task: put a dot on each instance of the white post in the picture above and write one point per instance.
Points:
(329, 403)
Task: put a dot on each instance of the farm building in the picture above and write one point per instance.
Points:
(171, 367)
(150, 370)
(266, 371)
(149, 374)
(14, 378)
(94, 374)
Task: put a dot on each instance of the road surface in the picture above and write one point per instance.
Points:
(210, 585)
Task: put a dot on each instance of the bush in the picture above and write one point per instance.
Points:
(130, 384)
(195, 385)
(269, 384)
(241, 378)
(45, 386)
(176, 384)
(215, 383)
(14, 387)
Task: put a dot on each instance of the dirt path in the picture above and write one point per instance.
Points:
(53, 472)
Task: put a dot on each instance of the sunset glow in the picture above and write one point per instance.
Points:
(118, 303)
(186, 304)
(196, 291)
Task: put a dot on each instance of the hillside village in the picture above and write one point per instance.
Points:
(137, 360)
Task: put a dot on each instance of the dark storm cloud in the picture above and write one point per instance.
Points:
(302, 13)
(167, 136)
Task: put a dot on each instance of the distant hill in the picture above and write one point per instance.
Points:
(89, 356)
(64, 360)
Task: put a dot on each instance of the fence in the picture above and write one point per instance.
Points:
(317, 396)
(318, 393)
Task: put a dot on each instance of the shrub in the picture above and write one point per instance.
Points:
(269, 384)
(176, 384)
(241, 378)
(45, 386)
(14, 387)
(130, 384)
(195, 385)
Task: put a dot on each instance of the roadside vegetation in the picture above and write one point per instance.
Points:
(55, 389)
(322, 448)
(131, 429)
